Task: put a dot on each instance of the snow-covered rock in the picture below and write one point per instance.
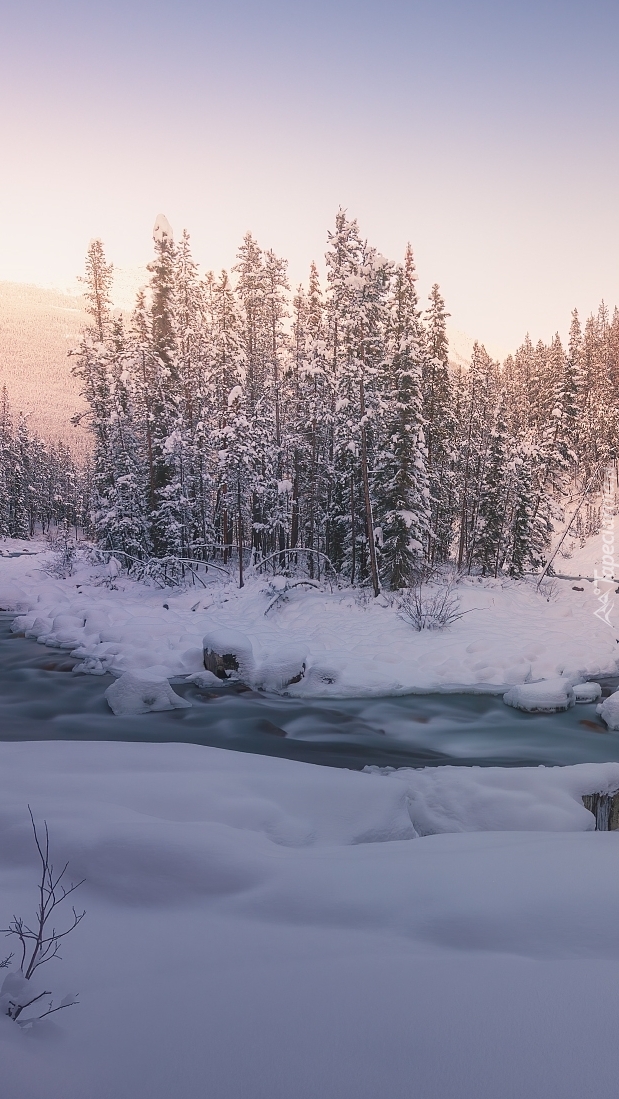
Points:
(41, 627)
(142, 692)
(587, 692)
(12, 597)
(233, 646)
(546, 697)
(283, 666)
(609, 710)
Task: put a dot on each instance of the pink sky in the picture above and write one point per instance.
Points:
(483, 133)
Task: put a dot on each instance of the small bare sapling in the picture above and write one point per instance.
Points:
(431, 612)
(40, 942)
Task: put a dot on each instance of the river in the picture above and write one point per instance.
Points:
(40, 699)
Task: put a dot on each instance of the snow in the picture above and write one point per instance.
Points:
(609, 710)
(546, 697)
(334, 643)
(162, 230)
(584, 558)
(587, 692)
(204, 679)
(259, 927)
(143, 692)
(226, 642)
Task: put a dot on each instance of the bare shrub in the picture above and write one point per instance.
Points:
(40, 942)
(430, 612)
(549, 589)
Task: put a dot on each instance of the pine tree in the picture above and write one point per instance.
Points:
(166, 521)
(98, 282)
(308, 436)
(358, 281)
(440, 429)
(531, 524)
(227, 363)
(6, 461)
(251, 291)
(479, 386)
(489, 549)
(92, 367)
(237, 468)
(403, 485)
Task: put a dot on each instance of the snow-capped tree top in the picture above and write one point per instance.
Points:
(162, 230)
(234, 395)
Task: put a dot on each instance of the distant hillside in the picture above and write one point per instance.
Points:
(37, 329)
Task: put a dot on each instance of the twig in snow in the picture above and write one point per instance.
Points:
(289, 587)
(40, 942)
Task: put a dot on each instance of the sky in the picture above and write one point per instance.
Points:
(485, 133)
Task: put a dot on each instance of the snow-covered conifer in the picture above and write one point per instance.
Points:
(403, 507)
(440, 429)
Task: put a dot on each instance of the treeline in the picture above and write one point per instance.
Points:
(41, 485)
(234, 419)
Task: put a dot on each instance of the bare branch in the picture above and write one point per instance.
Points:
(60, 1007)
(41, 942)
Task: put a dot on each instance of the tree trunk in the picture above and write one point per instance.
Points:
(240, 532)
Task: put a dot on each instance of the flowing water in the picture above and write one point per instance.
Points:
(41, 700)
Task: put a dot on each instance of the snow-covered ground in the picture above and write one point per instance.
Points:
(259, 928)
(338, 643)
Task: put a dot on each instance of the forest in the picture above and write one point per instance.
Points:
(233, 419)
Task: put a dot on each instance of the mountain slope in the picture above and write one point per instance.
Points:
(37, 329)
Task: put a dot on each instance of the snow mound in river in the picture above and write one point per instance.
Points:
(142, 693)
(587, 692)
(547, 697)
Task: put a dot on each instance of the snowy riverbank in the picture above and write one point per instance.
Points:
(345, 643)
(259, 928)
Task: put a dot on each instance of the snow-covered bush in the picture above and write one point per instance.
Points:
(64, 556)
(433, 611)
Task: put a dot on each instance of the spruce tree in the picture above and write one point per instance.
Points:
(402, 489)
(488, 550)
(440, 429)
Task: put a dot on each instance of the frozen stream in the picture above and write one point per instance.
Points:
(41, 700)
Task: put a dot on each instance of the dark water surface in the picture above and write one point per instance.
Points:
(41, 700)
